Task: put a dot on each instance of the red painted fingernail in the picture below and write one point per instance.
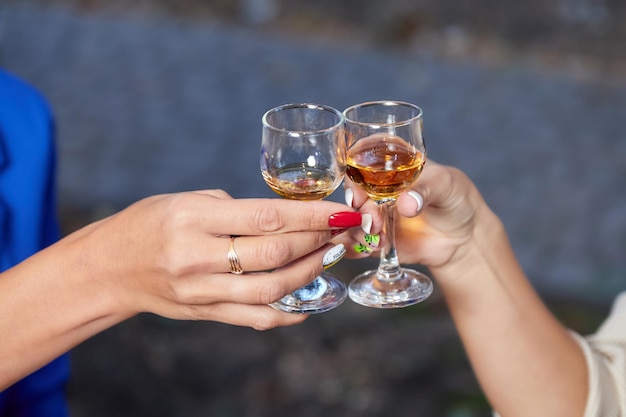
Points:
(345, 219)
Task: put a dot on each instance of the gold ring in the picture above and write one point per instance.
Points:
(233, 259)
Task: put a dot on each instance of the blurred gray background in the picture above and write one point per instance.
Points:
(151, 96)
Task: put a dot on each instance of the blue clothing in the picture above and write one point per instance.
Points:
(28, 224)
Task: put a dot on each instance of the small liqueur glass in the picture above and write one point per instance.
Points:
(386, 154)
(303, 157)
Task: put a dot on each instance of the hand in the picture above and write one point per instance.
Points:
(436, 217)
(167, 255)
(445, 224)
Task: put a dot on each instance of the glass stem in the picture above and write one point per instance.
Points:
(389, 268)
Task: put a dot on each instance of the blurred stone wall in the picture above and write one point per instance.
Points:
(150, 102)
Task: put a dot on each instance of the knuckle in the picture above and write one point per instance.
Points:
(268, 219)
(193, 313)
(265, 322)
(172, 260)
(270, 293)
(220, 193)
(311, 271)
(275, 253)
(177, 212)
(311, 218)
(273, 319)
(175, 293)
(320, 238)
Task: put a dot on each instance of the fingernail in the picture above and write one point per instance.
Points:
(418, 199)
(349, 195)
(336, 232)
(333, 255)
(372, 240)
(366, 223)
(345, 219)
(360, 248)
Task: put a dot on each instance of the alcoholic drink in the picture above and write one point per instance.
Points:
(386, 154)
(303, 158)
(384, 165)
(300, 182)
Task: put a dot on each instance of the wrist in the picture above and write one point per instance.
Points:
(89, 269)
(485, 274)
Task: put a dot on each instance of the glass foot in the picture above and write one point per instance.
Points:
(414, 287)
(323, 294)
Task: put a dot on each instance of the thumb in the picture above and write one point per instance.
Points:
(431, 188)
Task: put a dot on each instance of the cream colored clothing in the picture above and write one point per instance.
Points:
(605, 352)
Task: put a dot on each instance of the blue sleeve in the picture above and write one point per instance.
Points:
(28, 223)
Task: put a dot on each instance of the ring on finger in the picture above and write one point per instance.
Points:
(233, 259)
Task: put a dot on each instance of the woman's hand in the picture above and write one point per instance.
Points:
(168, 255)
(445, 224)
(436, 217)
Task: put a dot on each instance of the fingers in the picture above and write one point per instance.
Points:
(269, 216)
(354, 195)
(215, 193)
(362, 243)
(433, 188)
(410, 204)
(261, 253)
(255, 288)
(430, 186)
(259, 317)
(357, 198)
(359, 244)
(253, 253)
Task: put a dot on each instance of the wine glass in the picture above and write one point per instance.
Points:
(386, 154)
(303, 157)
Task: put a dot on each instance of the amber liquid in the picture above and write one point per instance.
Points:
(384, 166)
(301, 182)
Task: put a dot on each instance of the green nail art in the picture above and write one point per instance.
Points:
(360, 248)
(372, 240)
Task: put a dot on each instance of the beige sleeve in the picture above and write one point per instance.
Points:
(605, 353)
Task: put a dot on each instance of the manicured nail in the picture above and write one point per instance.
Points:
(345, 219)
(360, 248)
(372, 240)
(349, 195)
(418, 199)
(366, 223)
(333, 255)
